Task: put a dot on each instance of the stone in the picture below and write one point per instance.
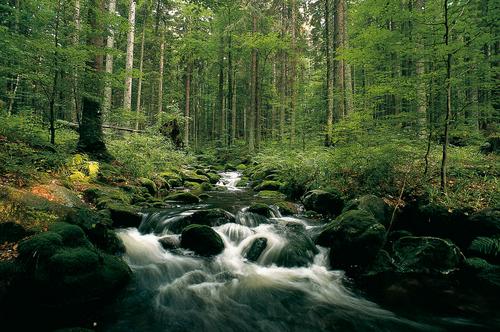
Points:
(323, 202)
(256, 248)
(183, 197)
(201, 239)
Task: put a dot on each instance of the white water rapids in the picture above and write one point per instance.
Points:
(177, 291)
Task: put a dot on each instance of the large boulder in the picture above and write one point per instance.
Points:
(183, 197)
(354, 239)
(149, 185)
(269, 185)
(208, 217)
(261, 209)
(373, 204)
(192, 176)
(323, 202)
(299, 249)
(286, 208)
(201, 239)
(426, 255)
(485, 222)
(124, 216)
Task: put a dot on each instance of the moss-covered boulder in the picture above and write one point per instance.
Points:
(42, 246)
(213, 177)
(269, 194)
(256, 249)
(426, 255)
(183, 197)
(354, 239)
(373, 204)
(324, 202)
(72, 235)
(191, 176)
(207, 217)
(262, 209)
(98, 229)
(173, 178)
(485, 222)
(170, 242)
(286, 208)
(12, 232)
(201, 239)
(149, 185)
(124, 216)
(74, 261)
(269, 185)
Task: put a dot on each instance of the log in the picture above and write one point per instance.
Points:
(76, 126)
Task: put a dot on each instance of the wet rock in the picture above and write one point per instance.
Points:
(256, 249)
(261, 209)
(208, 217)
(170, 242)
(373, 204)
(213, 177)
(299, 250)
(149, 185)
(183, 197)
(201, 239)
(323, 202)
(191, 176)
(354, 239)
(426, 255)
(124, 216)
(287, 208)
(12, 232)
(269, 194)
(72, 235)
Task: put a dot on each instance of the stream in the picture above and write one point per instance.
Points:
(174, 290)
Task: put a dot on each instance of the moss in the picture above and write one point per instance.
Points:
(183, 197)
(191, 176)
(324, 202)
(42, 245)
(268, 194)
(262, 209)
(213, 177)
(202, 239)
(71, 235)
(286, 208)
(73, 261)
(124, 216)
(149, 185)
(269, 185)
(241, 167)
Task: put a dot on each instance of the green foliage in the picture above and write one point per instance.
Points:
(488, 246)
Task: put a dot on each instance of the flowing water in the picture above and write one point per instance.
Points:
(178, 291)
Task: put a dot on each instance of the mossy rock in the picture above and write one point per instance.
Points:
(191, 176)
(268, 194)
(73, 261)
(327, 203)
(213, 177)
(373, 204)
(269, 185)
(426, 255)
(243, 182)
(201, 239)
(183, 197)
(241, 167)
(12, 232)
(299, 250)
(261, 209)
(149, 185)
(101, 196)
(354, 239)
(72, 235)
(124, 216)
(207, 217)
(42, 245)
(287, 208)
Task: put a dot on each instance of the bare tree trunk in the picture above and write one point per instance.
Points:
(293, 76)
(129, 62)
(448, 100)
(110, 44)
(339, 71)
(253, 94)
(233, 111)
(141, 67)
(229, 83)
(187, 105)
(162, 68)
(75, 87)
(56, 76)
(220, 94)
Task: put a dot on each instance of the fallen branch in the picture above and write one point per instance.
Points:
(76, 127)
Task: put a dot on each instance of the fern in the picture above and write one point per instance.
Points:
(489, 246)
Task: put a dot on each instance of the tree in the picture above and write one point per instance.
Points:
(129, 62)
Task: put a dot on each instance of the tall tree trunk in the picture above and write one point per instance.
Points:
(234, 121)
(187, 105)
(230, 82)
(339, 70)
(129, 62)
(162, 68)
(91, 137)
(293, 76)
(348, 89)
(56, 76)
(329, 70)
(110, 44)
(448, 100)
(75, 87)
(141, 68)
(253, 94)
(220, 94)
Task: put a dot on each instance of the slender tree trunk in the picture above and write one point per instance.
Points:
(293, 74)
(129, 62)
(56, 76)
(75, 87)
(253, 94)
(187, 105)
(233, 111)
(348, 97)
(141, 68)
(160, 78)
(329, 71)
(220, 94)
(110, 44)
(338, 67)
(230, 82)
(448, 101)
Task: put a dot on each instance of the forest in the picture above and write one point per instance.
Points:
(272, 165)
